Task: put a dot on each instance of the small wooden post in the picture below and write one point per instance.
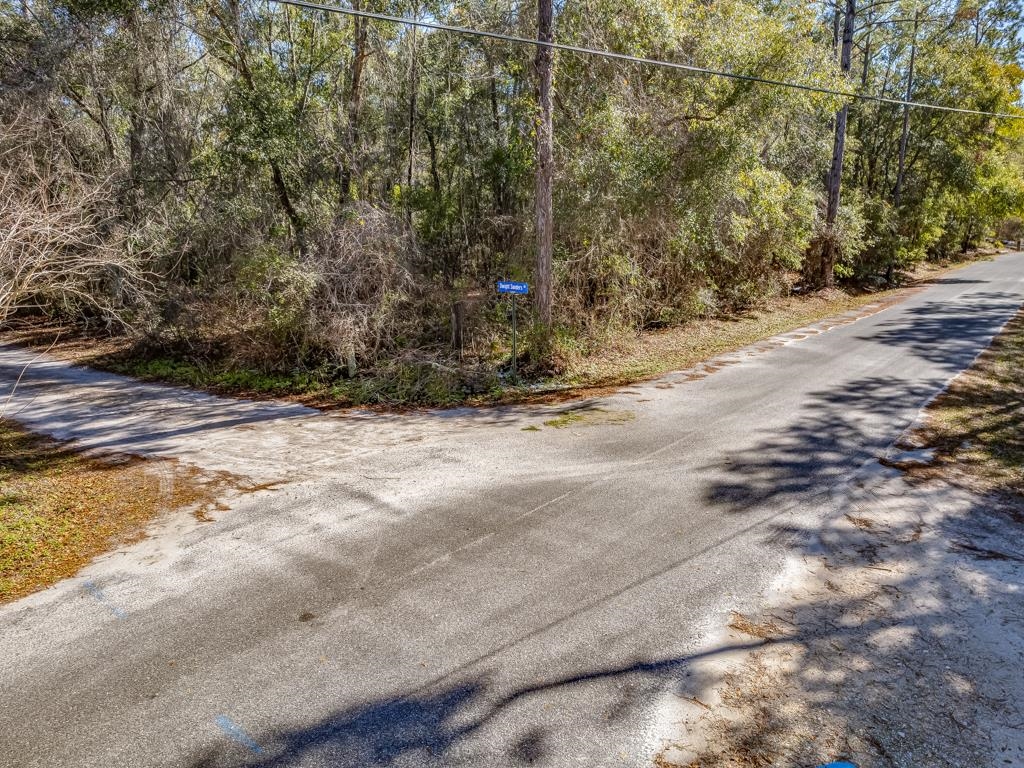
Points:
(459, 326)
(351, 355)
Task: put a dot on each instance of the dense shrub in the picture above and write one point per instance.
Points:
(314, 193)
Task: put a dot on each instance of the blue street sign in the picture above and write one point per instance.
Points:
(516, 289)
(507, 286)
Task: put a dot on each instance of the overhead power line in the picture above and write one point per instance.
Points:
(634, 59)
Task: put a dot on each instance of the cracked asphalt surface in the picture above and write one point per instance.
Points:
(447, 588)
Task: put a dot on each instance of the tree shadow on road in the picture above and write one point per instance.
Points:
(436, 724)
(902, 648)
(943, 333)
(898, 646)
(861, 663)
(856, 677)
(834, 435)
(897, 653)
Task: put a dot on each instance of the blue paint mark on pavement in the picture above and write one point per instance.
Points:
(93, 589)
(838, 765)
(229, 727)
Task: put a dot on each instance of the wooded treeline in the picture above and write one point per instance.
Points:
(293, 188)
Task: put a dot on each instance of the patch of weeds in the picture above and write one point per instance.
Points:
(256, 381)
(564, 420)
(219, 377)
(531, 428)
(403, 383)
(590, 417)
(415, 383)
(162, 369)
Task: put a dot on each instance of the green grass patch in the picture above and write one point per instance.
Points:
(589, 417)
(564, 420)
(191, 374)
(395, 383)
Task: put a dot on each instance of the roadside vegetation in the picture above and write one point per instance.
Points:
(975, 427)
(266, 198)
(59, 510)
(583, 371)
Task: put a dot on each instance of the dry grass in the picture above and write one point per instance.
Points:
(681, 347)
(975, 426)
(658, 352)
(765, 629)
(625, 360)
(863, 523)
(59, 510)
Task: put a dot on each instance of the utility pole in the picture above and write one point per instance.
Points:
(836, 16)
(829, 252)
(901, 167)
(349, 166)
(545, 160)
(413, 87)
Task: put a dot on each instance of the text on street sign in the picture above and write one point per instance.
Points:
(507, 286)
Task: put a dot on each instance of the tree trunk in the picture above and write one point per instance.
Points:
(136, 122)
(827, 247)
(965, 244)
(435, 177)
(349, 165)
(836, 16)
(545, 161)
(281, 187)
(500, 196)
(459, 326)
(411, 164)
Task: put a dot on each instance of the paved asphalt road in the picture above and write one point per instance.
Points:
(451, 588)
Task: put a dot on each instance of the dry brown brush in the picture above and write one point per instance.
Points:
(63, 246)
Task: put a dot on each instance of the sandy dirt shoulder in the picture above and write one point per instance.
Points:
(900, 645)
(896, 635)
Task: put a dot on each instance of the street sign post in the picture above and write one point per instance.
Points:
(513, 289)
